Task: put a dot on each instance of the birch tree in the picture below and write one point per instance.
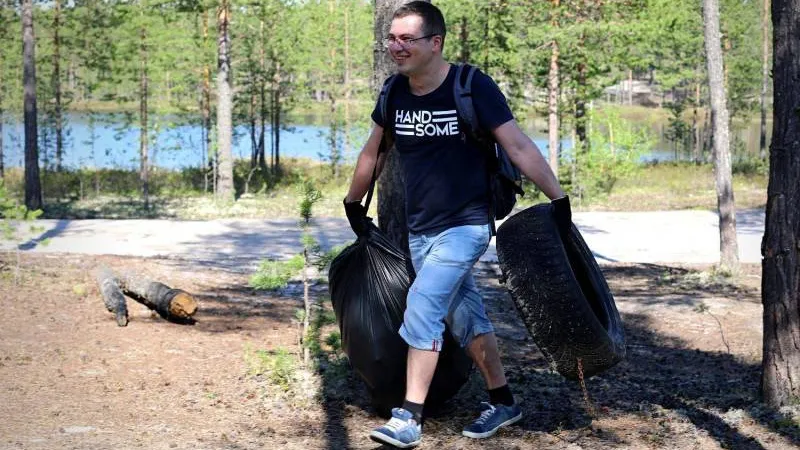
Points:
(729, 252)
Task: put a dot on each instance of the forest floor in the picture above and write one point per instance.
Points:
(71, 378)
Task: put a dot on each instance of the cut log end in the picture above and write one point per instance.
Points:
(183, 305)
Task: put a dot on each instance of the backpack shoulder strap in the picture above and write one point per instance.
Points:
(462, 91)
(383, 99)
(383, 108)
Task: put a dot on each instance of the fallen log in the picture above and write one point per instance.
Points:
(174, 305)
(112, 295)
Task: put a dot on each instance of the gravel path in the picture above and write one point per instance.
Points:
(639, 237)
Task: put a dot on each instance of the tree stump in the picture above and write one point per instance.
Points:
(112, 295)
(174, 305)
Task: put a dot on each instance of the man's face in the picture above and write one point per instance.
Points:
(410, 55)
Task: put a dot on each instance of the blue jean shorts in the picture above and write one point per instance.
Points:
(445, 290)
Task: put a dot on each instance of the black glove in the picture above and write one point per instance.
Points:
(357, 216)
(562, 215)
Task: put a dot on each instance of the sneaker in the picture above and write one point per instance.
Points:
(492, 419)
(401, 431)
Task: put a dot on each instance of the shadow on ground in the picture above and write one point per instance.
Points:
(661, 380)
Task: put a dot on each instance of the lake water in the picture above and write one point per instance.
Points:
(116, 144)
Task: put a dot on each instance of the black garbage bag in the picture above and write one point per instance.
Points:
(368, 284)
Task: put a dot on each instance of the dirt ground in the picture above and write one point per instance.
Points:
(71, 378)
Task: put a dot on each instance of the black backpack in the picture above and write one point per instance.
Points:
(505, 182)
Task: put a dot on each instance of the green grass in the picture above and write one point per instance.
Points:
(273, 274)
(278, 366)
(677, 186)
(179, 194)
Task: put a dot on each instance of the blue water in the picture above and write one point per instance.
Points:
(116, 143)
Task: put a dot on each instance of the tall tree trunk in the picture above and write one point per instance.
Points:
(580, 110)
(762, 141)
(552, 97)
(391, 186)
(206, 112)
(224, 105)
(262, 91)
(333, 144)
(780, 285)
(33, 186)
(251, 119)
(167, 88)
(2, 121)
(276, 118)
(729, 253)
(143, 153)
(696, 126)
(347, 89)
(464, 39)
(56, 80)
(630, 86)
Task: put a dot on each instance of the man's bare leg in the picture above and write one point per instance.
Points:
(483, 350)
(419, 373)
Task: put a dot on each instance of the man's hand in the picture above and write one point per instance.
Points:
(562, 214)
(357, 216)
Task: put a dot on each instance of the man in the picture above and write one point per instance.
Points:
(446, 205)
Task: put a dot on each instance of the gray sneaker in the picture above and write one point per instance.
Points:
(401, 431)
(492, 418)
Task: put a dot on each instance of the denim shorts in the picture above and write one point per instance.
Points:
(445, 290)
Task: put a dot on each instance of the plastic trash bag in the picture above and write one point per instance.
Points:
(368, 284)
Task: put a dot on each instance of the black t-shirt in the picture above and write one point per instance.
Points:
(445, 171)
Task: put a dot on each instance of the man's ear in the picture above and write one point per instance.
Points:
(438, 43)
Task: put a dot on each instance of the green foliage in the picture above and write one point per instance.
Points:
(324, 260)
(750, 165)
(334, 341)
(272, 274)
(309, 194)
(617, 147)
(14, 215)
(277, 365)
(678, 130)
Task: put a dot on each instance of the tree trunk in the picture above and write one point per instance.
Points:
(251, 119)
(780, 285)
(464, 39)
(347, 89)
(630, 87)
(335, 156)
(143, 153)
(552, 96)
(762, 142)
(225, 189)
(112, 295)
(33, 187)
(697, 149)
(174, 305)
(56, 80)
(262, 95)
(206, 110)
(2, 121)
(391, 186)
(580, 111)
(276, 118)
(729, 253)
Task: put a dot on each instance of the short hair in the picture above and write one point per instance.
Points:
(432, 18)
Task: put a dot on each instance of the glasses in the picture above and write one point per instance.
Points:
(403, 42)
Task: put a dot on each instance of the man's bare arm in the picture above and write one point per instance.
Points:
(362, 175)
(526, 156)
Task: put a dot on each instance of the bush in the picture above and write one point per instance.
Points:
(616, 150)
(750, 165)
(272, 274)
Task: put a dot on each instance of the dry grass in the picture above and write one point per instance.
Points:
(652, 188)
